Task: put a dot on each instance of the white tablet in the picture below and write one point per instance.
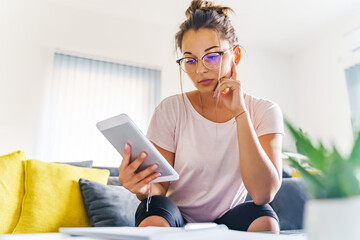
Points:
(120, 130)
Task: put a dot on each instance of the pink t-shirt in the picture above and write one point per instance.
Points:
(207, 154)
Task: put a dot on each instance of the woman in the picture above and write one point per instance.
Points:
(222, 142)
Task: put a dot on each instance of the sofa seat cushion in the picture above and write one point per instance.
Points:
(108, 205)
(52, 196)
(11, 190)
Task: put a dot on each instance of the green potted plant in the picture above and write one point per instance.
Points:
(333, 212)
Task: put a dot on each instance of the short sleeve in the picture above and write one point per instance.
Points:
(162, 126)
(269, 119)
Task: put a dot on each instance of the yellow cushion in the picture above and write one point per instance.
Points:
(52, 196)
(296, 173)
(11, 190)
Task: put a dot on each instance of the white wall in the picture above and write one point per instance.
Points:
(322, 104)
(309, 86)
(30, 33)
(268, 75)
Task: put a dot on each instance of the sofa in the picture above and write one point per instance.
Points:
(38, 196)
(288, 203)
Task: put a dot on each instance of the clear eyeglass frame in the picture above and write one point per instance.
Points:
(191, 68)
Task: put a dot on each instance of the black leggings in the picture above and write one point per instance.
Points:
(237, 218)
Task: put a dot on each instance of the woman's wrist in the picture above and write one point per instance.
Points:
(240, 111)
(141, 196)
(243, 112)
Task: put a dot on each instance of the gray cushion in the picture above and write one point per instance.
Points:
(108, 205)
(114, 181)
(289, 203)
(86, 164)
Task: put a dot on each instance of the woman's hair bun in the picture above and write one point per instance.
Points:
(205, 5)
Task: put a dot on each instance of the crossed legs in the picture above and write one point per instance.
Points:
(261, 224)
(245, 217)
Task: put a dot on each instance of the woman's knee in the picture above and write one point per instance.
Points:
(264, 224)
(160, 212)
(154, 221)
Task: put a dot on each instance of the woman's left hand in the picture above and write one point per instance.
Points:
(230, 92)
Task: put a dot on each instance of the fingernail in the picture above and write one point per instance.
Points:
(127, 147)
(223, 87)
(158, 174)
(143, 155)
(155, 166)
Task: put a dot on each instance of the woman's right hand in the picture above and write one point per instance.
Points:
(137, 183)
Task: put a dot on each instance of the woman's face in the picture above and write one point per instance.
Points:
(196, 44)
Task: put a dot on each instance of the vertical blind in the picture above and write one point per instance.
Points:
(353, 86)
(84, 91)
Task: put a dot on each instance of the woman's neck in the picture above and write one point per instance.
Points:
(205, 105)
(208, 101)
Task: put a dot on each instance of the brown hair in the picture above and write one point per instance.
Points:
(204, 14)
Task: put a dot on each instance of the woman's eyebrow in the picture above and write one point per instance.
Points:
(204, 50)
(210, 48)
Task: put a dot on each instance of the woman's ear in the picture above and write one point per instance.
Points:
(237, 54)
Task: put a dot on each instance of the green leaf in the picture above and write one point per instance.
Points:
(355, 153)
(306, 175)
(339, 176)
(334, 159)
(304, 146)
(347, 181)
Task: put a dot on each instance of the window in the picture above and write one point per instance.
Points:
(352, 41)
(84, 91)
(353, 86)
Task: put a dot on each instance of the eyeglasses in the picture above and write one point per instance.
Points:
(210, 60)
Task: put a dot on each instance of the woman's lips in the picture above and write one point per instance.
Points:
(206, 82)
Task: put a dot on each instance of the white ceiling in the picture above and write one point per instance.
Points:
(277, 25)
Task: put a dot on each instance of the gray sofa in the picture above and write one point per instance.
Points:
(113, 205)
